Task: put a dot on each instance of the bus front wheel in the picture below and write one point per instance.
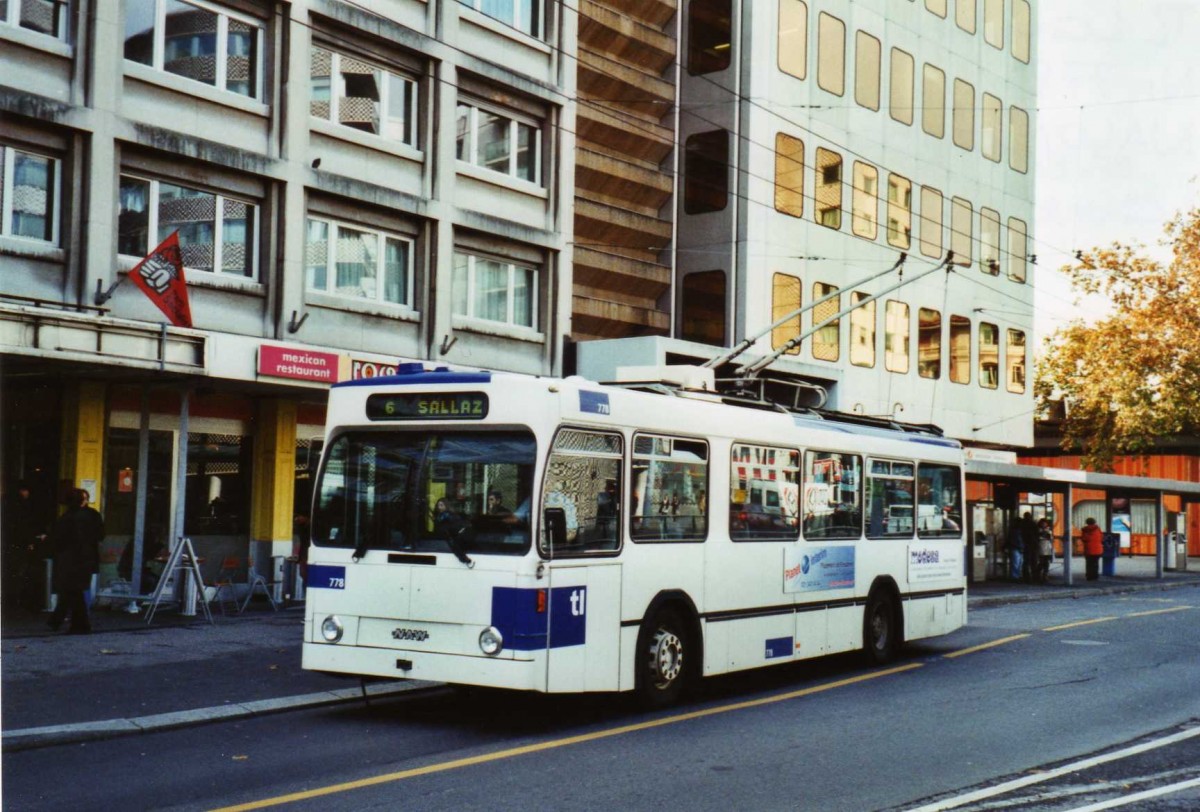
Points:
(881, 628)
(663, 666)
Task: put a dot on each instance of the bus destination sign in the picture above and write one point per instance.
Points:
(428, 406)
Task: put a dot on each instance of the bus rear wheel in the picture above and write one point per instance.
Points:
(881, 629)
(663, 660)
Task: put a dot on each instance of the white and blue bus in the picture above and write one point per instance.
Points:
(554, 535)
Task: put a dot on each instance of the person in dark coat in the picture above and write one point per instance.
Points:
(1029, 546)
(23, 538)
(75, 542)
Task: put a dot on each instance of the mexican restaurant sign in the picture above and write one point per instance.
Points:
(297, 363)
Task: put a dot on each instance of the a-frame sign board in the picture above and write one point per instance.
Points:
(181, 565)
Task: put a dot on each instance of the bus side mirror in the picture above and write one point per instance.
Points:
(555, 523)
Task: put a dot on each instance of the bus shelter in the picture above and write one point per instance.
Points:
(1001, 485)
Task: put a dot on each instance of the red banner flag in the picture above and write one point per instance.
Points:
(160, 276)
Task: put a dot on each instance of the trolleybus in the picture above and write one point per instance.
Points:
(556, 535)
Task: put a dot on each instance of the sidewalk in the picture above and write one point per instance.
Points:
(128, 678)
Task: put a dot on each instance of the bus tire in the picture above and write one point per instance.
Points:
(881, 627)
(664, 654)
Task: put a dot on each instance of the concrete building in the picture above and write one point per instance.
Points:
(354, 184)
(821, 139)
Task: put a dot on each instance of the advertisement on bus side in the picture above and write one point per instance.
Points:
(929, 563)
(812, 569)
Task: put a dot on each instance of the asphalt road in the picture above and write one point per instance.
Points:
(1023, 690)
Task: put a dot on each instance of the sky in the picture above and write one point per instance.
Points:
(1118, 134)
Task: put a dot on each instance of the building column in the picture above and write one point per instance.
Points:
(274, 481)
(82, 460)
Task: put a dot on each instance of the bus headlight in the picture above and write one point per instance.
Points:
(491, 641)
(331, 629)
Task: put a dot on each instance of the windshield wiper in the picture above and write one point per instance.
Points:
(454, 539)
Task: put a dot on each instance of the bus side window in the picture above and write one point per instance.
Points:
(583, 480)
(669, 489)
(832, 495)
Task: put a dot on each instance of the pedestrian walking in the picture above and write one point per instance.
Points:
(1093, 548)
(1045, 551)
(1029, 547)
(75, 542)
(23, 540)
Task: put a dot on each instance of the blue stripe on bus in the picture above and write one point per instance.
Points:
(524, 628)
(420, 379)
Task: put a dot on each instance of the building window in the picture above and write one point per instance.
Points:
(1014, 358)
(706, 172)
(499, 142)
(764, 499)
(793, 38)
(786, 293)
(964, 114)
(993, 23)
(989, 355)
(670, 484)
(361, 263)
(217, 234)
(1018, 139)
(832, 495)
(29, 195)
(989, 242)
(890, 499)
(495, 290)
(864, 219)
(196, 41)
(1016, 249)
(829, 188)
(826, 342)
(899, 212)
(867, 57)
(931, 222)
(710, 36)
(862, 331)
(961, 233)
(363, 97)
(964, 15)
(789, 175)
(990, 127)
(1022, 28)
(933, 101)
(523, 15)
(895, 337)
(960, 349)
(901, 98)
(929, 343)
(219, 481)
(703, 308)
(831, 54)
(938, 7)
(47, 17)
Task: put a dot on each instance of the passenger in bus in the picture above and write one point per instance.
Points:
(499, 519)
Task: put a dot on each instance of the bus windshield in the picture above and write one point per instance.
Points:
(454, 492)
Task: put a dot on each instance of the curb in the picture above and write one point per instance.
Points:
(33, 737)
(1074, 593)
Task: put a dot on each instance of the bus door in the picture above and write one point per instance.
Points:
(581, 535)
(584, 626)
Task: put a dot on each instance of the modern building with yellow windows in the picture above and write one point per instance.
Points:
(820, 140)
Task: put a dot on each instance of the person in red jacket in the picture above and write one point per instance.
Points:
(1093, 548)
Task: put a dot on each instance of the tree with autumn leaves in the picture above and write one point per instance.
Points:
(1131, 376)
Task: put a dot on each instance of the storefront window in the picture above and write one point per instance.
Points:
(218, 485)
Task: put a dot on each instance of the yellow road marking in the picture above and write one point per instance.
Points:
(557, 743)
(983, 646)
(1079, 623)
(1160, 611)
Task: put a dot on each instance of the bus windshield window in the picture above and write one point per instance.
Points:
(939, 501)
(832, 495)
(464, 492)
(670, 481)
